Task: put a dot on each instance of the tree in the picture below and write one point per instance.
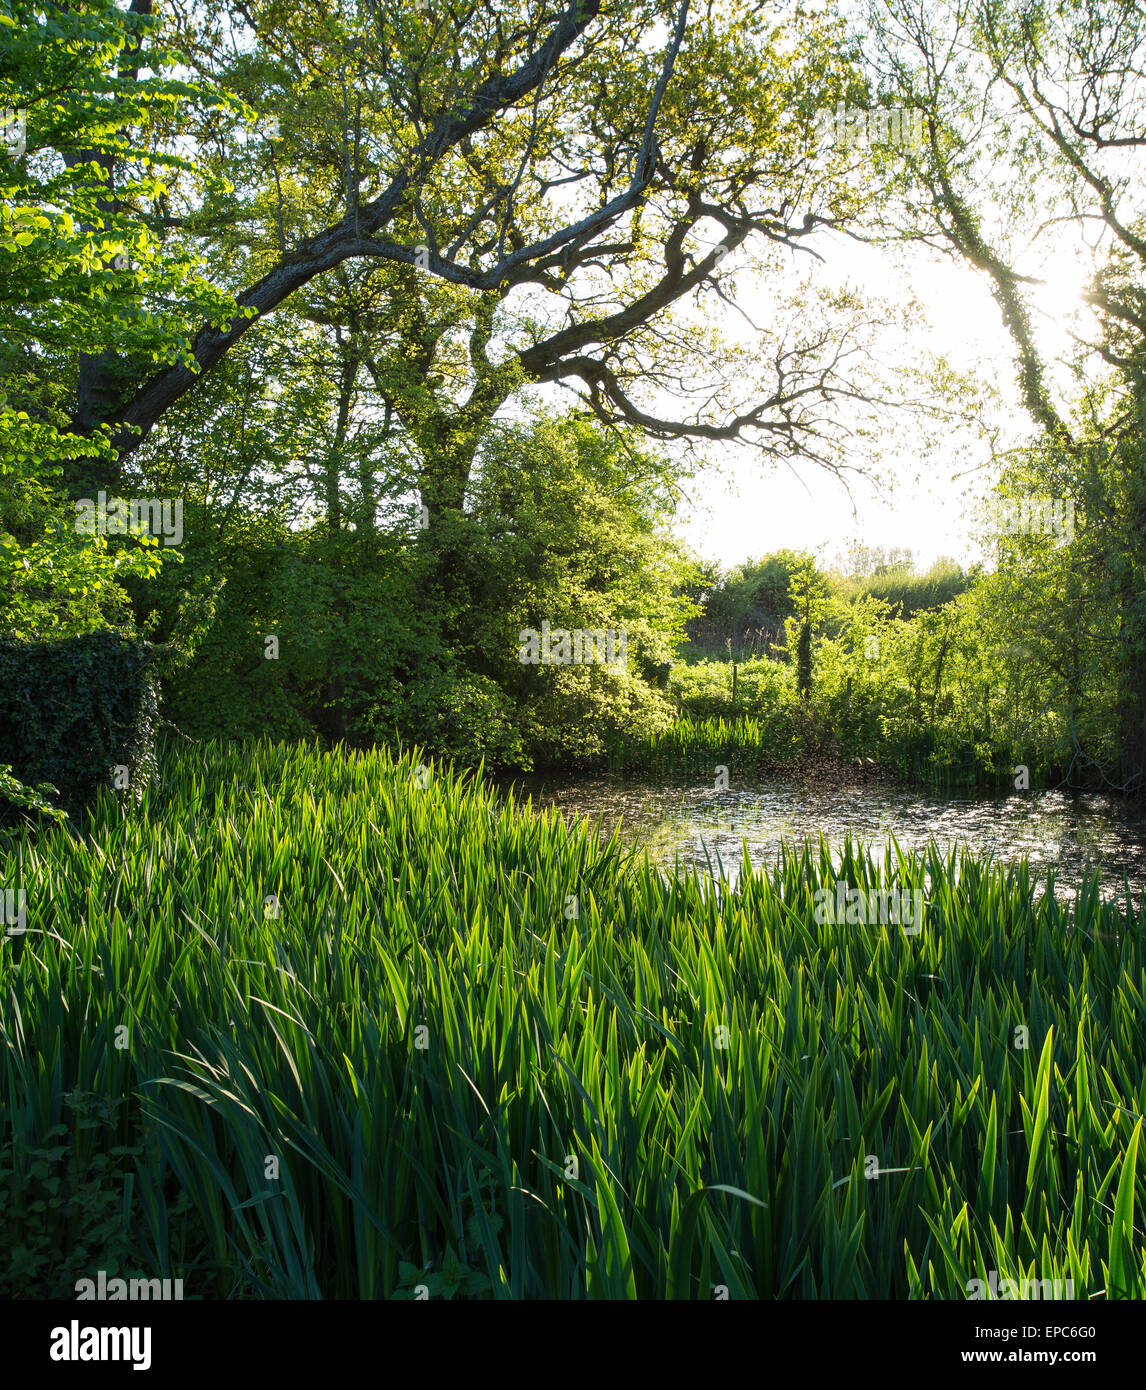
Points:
(576, 160)
(808, 592)
(751, 601)
(566, 528)
(1034, 122)
(82, 277)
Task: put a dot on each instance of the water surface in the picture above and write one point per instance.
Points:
(1071, 834)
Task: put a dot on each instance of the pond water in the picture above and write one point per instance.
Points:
(1071, 834)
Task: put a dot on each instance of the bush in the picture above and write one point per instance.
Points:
(703, 690)
(71, 712)
(64, 1207)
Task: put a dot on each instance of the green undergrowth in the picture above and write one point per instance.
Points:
(351, 1026)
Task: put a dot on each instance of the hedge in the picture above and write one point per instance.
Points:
(78, 714)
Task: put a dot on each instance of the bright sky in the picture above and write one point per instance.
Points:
(754, 507)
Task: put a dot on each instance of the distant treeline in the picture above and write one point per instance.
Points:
(744, 609)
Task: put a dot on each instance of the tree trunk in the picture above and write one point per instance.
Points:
(1132, 695)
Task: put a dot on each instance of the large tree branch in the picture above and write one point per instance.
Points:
(349, 237)
(678, 280)
(962, 230)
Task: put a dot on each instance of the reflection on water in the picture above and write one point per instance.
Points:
(1071, 834)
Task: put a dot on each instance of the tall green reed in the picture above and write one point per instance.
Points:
(381, 1026)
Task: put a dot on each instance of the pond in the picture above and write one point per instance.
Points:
(1071, 834)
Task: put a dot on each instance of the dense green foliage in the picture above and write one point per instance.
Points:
(719, 1066)
(905, 590)
(955, 678)
(744, 611)
(565, 527)
(693, 748)
(85, 274)
(78, 715)
(375, 507)
(746, 606)
(303, 1010)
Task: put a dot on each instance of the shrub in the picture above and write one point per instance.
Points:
(71, 712)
